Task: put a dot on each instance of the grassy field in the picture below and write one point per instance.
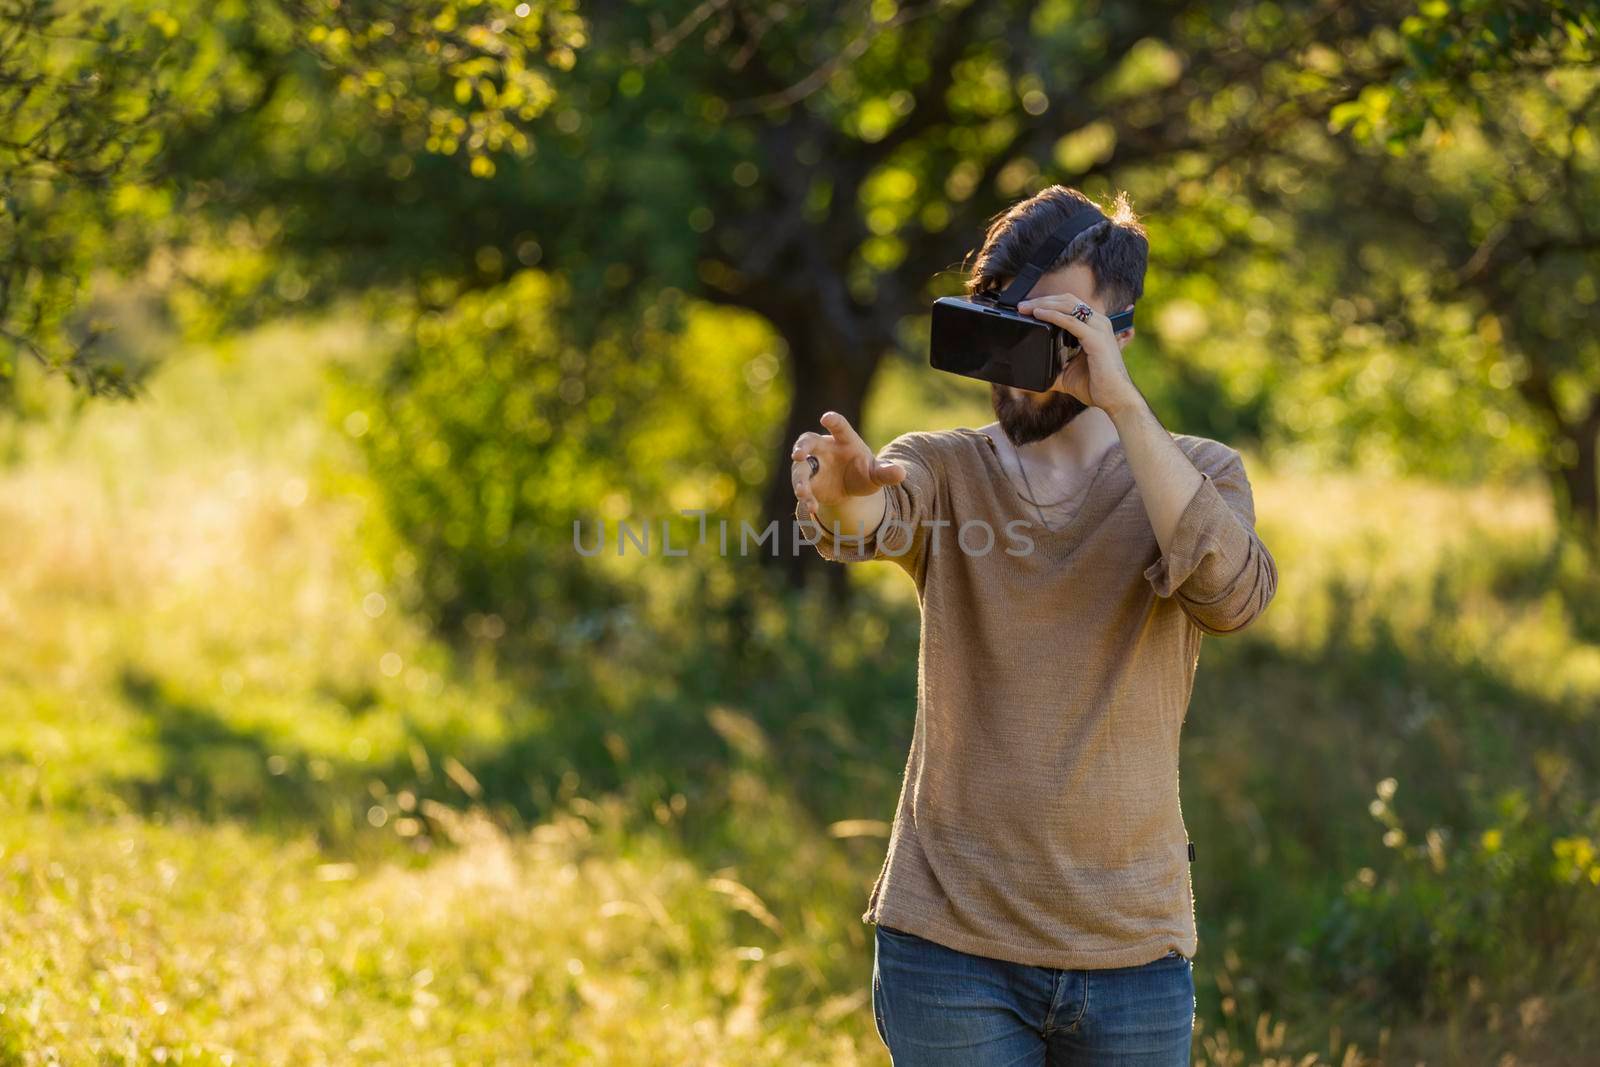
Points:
(250, 812)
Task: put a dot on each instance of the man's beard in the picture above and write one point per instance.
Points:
(1025, 420)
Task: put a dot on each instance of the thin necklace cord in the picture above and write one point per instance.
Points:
(1023, 467)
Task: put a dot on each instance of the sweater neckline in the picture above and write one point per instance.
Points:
(1023, 503)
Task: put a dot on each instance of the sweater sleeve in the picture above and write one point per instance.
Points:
(1217, 568)
(911, 514)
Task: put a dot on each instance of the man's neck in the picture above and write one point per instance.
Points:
(1076, 447)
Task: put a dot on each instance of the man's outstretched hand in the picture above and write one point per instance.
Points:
(848, 477)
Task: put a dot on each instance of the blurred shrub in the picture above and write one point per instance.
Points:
(492, 431)
(1445, 914)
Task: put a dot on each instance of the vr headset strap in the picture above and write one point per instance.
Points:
(1037, 264)
(1040, 261)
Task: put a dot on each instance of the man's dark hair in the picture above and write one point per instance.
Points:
(1116, 251)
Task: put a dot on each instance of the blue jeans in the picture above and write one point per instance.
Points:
(936, 1006)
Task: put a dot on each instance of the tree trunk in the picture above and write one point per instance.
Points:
(826, 375)
(1580, 480)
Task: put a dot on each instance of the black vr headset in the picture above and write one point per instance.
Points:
(985, 336)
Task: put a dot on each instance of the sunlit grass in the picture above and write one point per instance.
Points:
(200, 944)
(252, 812)
(165, 560)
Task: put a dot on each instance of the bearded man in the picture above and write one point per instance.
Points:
(1035, 905)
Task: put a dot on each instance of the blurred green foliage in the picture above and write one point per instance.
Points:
(499, 449)
(81, 93)
(1373, 222)
(147, 128)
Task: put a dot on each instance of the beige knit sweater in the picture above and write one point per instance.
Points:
(1039, 819)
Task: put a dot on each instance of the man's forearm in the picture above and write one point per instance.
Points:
(1167, 480)
(856, 516)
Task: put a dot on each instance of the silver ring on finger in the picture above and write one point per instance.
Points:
(816, 464)
(1082, 312)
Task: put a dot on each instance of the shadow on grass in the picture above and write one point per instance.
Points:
(1283, 750)
(209, 767)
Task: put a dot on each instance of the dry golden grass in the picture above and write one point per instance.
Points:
(195, 564)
